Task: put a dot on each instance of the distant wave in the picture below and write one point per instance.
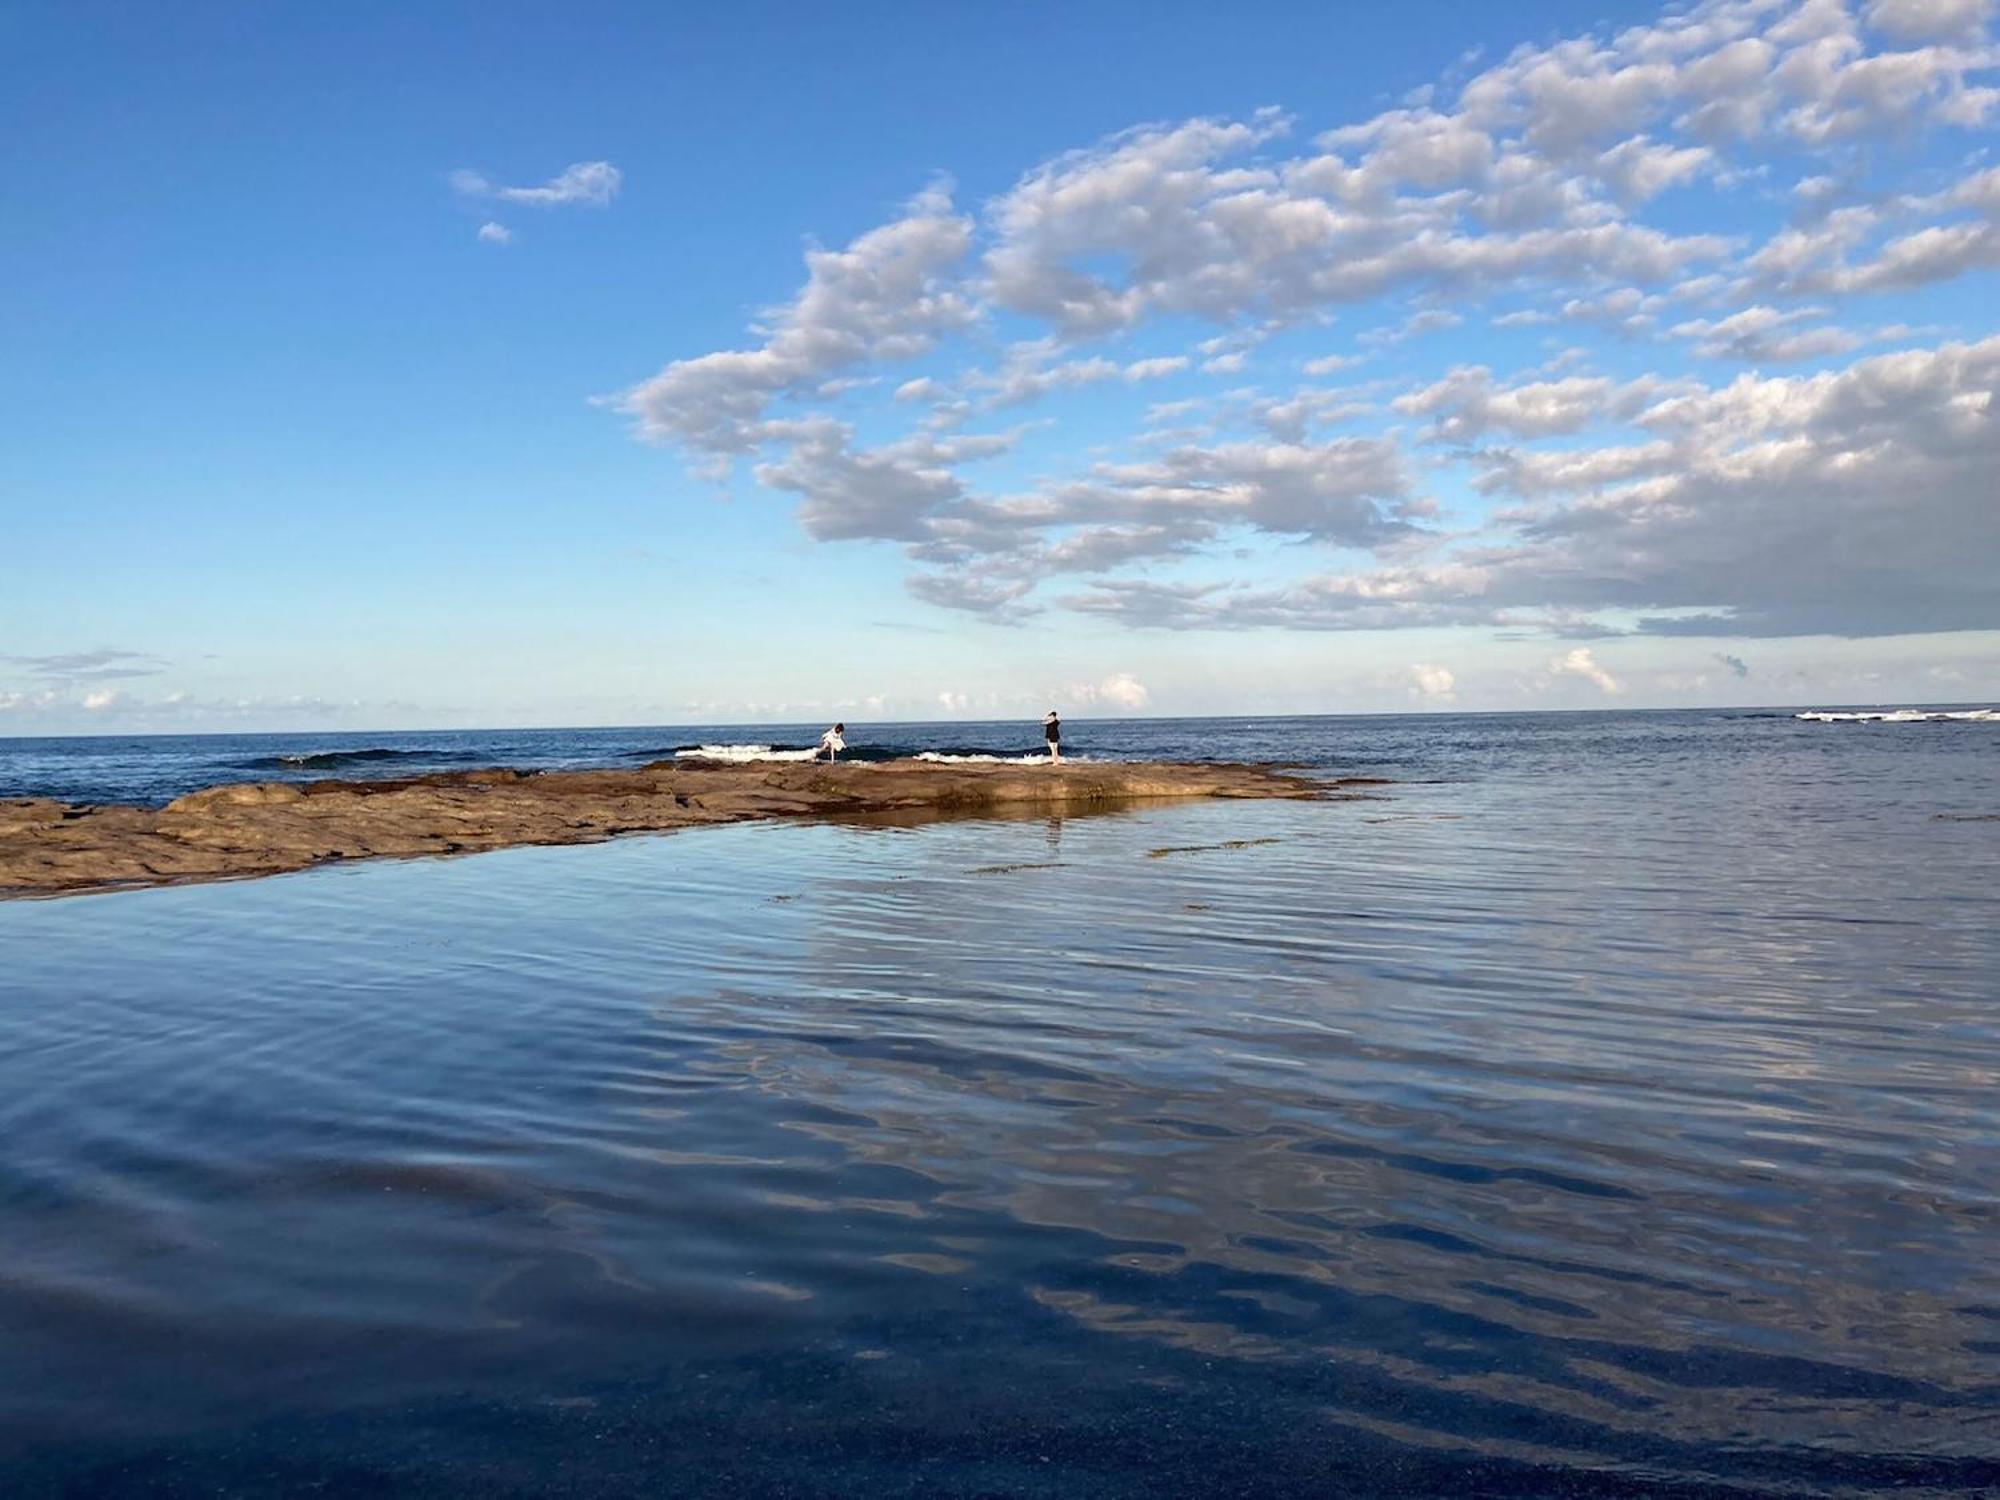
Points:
(1902, 716)
(327, 760)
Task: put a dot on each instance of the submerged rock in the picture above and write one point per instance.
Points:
(265, 828)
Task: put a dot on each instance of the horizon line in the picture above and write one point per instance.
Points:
(1415, 713)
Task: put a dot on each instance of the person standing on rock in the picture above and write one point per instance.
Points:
(832, 742)
(1052, 732)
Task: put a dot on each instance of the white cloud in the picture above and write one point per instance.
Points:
(1027, 375)
(1330, 364)
(1289, 420)
(1930, 20)
(1428, 680)
(1765, 335)
(1426, 320)
(1468, 403)
(1121, 690)
(1639, 169)
(1626, 311)
(884, 297)
(491, 233)
(1580, 663)
(887, 493)
(1935, 253)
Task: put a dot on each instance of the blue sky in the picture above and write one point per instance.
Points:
(379, 366)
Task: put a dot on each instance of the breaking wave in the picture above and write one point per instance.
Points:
(745, 752)
(1901, 716)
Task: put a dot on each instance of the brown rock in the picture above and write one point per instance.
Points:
(264, 828)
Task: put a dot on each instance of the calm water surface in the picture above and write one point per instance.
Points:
(1610, 1110)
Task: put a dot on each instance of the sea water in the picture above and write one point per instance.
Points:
(1608, 1106)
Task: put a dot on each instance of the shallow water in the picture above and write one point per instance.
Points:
(1611, 1111)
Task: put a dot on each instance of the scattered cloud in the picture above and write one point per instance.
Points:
(1574, 186)
(491, 233)
(1736, 664)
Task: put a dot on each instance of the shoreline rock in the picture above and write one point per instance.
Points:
(246, 829)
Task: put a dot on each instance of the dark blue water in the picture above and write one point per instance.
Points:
(1610, 1109)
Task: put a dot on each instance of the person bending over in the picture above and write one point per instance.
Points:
(832, 742)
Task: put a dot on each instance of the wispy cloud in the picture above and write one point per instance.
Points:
(87, 666)
(592, 184)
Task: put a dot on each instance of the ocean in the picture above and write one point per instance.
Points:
(1609, 1105)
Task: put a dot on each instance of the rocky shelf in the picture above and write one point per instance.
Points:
(267, 828)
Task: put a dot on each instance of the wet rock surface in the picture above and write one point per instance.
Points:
(266, 828)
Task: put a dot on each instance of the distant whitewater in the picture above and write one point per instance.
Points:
(1901, 716)
(980, 757)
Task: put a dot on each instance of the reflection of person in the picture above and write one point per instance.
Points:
(832, 742)
(1052, 732)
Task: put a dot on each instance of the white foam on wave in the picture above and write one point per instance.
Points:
(742, 753)
(1902, 716)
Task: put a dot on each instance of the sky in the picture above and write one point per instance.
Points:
(385, 366)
